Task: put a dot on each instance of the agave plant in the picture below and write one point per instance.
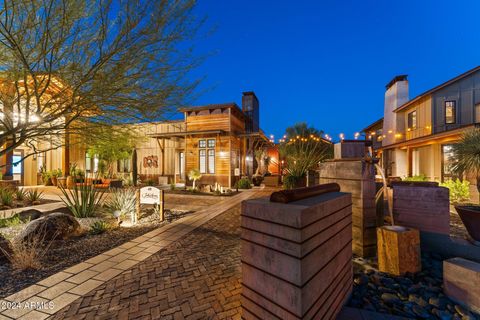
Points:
(83, 200)
(7, 196)
(122, 201)
(20, 194)
(34, 196)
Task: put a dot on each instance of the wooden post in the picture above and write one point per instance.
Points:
(162, 205)
(137, 207)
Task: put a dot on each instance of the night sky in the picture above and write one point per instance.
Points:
(327, 62)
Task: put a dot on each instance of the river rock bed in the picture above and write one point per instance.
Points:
(415, 296)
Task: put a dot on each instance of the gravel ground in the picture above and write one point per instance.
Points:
(415, 296)
(65, 253)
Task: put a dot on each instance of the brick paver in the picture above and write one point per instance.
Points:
(197, 277)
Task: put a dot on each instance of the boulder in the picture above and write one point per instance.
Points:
(29, 215)
(52, 226)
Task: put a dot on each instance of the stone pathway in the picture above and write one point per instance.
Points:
(170, 271)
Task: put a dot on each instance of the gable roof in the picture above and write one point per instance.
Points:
(441, 86)
(372, 125)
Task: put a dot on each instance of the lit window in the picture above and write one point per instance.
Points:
(211, 160)
(211, 143)
(412, 120)
(201, 144)
(88, 162)
(203, 161)
(450, 112)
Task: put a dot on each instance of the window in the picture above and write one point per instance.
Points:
(203, 161)
(211, 160)
(412, 120)
(95, 163)
(17, 164)
(207, 156)
(124, 165)
(88, 162)
(447, 154)
(450, 112)
(477, 113)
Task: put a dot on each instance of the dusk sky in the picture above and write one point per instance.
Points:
(327, 62)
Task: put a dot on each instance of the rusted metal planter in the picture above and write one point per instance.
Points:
(470, 216)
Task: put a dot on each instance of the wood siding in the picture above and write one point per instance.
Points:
(424, 119)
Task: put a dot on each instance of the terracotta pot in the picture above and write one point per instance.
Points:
(470, 216)
(54, 181)
(70, 182)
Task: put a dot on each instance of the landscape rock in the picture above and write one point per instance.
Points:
(29, 215)
(53, 226)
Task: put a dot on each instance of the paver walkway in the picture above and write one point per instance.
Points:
(121, 279)
(197, 277)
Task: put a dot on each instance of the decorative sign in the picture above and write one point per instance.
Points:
(150, 162)
(149, 195)
(237, 172)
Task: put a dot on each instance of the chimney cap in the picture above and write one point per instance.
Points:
(248, 93)
(402, 77)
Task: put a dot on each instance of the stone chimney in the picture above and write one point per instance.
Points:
(395, 96)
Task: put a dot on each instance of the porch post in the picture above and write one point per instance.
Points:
(409, 161)
(7, 163)
(66, 155)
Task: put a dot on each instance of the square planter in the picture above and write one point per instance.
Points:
(398, 250)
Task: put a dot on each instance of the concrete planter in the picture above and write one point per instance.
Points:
(398, 250)
(470, 216)
(296, 257)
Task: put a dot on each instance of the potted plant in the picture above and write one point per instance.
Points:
(466, 160)
(47, 178)
(55, 174)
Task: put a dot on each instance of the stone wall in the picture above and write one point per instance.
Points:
(426, 208)
(296, 257)
(358, 178)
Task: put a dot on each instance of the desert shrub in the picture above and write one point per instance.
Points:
(99, 227)
(149, 182)
(244, 183)
(122, 200)
(459, 190)
(173, 187)
(28, 254)
(83, 200)
(7, 196)
(34, 196)
(420, 177)
(11, 221)
(20, 194)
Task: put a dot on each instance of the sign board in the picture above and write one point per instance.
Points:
(149, 195)
(237, 172)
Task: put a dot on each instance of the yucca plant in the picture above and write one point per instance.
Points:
(34, 196)
(122, 201)
(194, 175)
(83, 200)
(302, 154)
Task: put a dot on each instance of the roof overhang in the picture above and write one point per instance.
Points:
(183, 134)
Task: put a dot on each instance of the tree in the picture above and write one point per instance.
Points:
(75, 65)
(301, 129)
(110, 146)
(194, 175)
(466, 155)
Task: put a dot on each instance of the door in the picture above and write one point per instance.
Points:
(181, 165)
(17, 168)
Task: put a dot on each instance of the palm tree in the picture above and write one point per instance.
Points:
(466, 155)
(194, 175)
